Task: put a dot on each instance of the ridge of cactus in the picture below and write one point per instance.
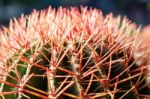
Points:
(72, 53)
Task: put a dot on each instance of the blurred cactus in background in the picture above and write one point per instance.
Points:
(145, 39)
(71, 53)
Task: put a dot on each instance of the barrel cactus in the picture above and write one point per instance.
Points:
(71, 53)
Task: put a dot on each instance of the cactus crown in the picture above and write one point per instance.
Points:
(71, 53)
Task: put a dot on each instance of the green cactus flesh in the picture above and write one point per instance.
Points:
(76, 55)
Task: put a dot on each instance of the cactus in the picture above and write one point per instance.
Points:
(71, 53)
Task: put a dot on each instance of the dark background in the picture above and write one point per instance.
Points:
(136, 10)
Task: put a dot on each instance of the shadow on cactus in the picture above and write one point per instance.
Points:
(71, 54)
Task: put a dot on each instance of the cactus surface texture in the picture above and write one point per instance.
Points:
(71, 53)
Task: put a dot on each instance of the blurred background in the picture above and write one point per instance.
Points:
(136, 10)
